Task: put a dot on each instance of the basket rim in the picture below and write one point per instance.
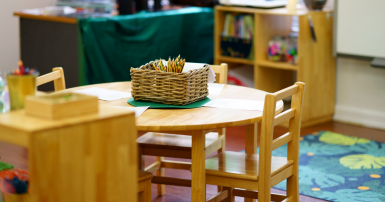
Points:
(141, 68)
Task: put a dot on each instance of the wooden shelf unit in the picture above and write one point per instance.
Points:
(316, 63)
(84, 158)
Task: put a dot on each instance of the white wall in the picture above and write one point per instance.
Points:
(9, 30)
(360, 92)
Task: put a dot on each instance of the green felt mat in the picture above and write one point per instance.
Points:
(155, 105)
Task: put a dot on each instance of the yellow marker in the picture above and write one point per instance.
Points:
(363, 188)
(375, 176)
(310, 154)
(316, 189)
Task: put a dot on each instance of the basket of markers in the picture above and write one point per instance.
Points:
(166, 82)
(14, 185)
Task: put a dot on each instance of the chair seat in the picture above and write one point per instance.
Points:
(143, 175)
(171, 141)
(242, 166)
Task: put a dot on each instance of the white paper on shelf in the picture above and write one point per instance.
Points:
(34, 11)
(215, 88)
(104, 94)
(236, 104)
(138, 110)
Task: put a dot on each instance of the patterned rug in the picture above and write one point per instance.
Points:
(340, 168)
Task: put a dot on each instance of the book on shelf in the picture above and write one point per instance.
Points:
(238, 26)
(237, 35)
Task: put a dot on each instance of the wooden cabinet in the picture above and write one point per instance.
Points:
(316, 63)
(87, 158)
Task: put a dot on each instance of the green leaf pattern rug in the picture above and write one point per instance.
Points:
(340, 168)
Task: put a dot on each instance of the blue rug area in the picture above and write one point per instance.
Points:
(339, 168)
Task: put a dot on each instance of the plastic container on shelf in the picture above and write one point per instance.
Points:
(89, 7)
(283, 49)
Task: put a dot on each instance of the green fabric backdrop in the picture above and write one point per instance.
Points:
(109, 47)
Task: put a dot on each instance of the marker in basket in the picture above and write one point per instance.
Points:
(175, 65)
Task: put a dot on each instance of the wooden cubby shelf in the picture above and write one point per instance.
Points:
(277, 65)
(315, 66)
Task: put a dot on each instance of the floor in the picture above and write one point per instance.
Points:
(234, 142)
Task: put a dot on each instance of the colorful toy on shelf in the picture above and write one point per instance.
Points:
(14, 181)
(292, 55)
(283, 49)
(292, 51)
(277, 49)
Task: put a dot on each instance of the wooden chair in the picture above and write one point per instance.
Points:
(261, 172)
(57, 76)
(177, 146)
(144, 186)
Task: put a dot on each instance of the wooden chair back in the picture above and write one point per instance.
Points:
(221, 72)
(269, 121)
(57, 76)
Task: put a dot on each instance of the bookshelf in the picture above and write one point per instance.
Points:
(316, 63)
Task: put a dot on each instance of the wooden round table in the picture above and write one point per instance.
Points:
(196, 122)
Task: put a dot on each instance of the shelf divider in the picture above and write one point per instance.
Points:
(278, 65)
(235, 60)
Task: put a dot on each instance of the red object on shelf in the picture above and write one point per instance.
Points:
(235, 81)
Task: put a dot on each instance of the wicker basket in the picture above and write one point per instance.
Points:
(149, 84)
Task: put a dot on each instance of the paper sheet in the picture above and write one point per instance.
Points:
(191, 66)
(138, 110)
(236, 104)
(104, 94)
(215, 88)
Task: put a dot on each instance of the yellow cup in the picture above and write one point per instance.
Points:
(20, 86)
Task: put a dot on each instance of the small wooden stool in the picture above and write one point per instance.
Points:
(144, 186)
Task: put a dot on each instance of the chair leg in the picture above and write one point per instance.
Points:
(222, 149)
(231, 197)
(293, 188)
(140, 159)
(147, 191)
(264, 194)
(141, 196)
(160, 172)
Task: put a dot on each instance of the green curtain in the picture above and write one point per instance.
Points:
(109, 47)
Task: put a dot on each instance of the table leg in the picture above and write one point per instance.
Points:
(251, 144)
(198, 178)
(251, 138)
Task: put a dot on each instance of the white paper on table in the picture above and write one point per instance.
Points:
(215, 88)
(104, 94)
(138, 110)
(236, 104)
